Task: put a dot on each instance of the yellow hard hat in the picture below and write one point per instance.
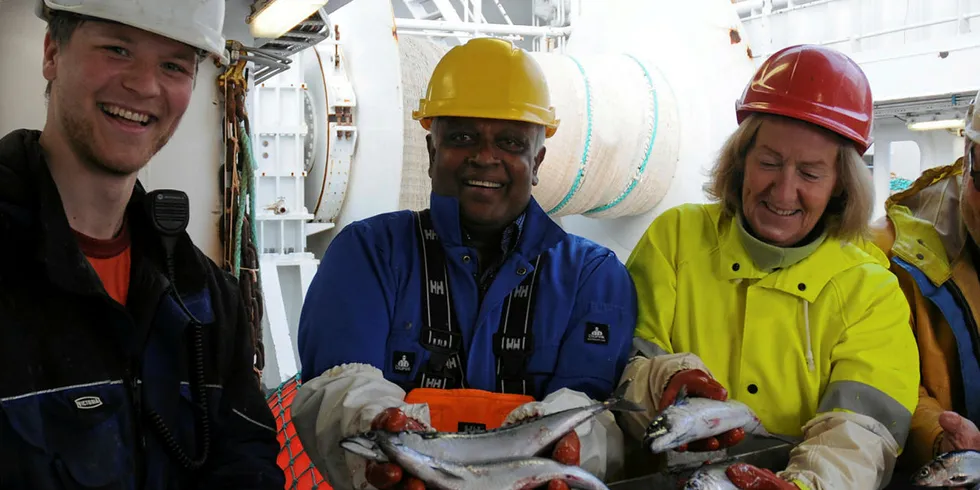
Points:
(972, 128)
(488, 78)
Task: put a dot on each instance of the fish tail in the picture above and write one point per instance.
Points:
(618, 401)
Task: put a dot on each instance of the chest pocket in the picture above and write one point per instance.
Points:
(77, 438)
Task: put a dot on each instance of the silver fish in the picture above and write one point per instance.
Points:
(710, 477)
(691, 419)
(509, 474)
(525, 439)
(952, 469)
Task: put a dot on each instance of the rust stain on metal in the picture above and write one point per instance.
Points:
(394, 33)
(748, 51)
(735, 36)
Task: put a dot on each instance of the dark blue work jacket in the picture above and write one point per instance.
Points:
(79, 373)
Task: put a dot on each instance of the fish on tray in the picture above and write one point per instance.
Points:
(524, 439)
(710, 477)
(691, 419)
(952, 469)
(506, 474)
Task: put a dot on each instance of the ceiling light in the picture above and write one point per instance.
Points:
(934, 125)
(277, 17)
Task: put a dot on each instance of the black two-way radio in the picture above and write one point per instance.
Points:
(169, 212)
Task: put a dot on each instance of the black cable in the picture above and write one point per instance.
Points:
(169, 212)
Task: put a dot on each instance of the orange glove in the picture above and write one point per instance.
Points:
(389, 475)
(748, 477)
(697, 383)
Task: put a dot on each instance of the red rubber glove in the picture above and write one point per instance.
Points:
(389, 475)
(567, 451)
(697, 383)
(748, 477)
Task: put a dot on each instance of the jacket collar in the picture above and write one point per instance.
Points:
(805, 279)
(50, 234)
(769, 257)
(538, 231)
(929, 230)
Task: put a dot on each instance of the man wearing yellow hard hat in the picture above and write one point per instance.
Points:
(931, 233)
(125, 352)
(477, 311)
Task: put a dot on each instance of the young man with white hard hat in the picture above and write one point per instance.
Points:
(931, 232)
(126, 353)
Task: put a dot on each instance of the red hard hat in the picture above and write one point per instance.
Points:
(815, 84)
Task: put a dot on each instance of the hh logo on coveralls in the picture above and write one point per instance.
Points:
(402, 362)
(522, 291)
(437, 287)
(597, 333)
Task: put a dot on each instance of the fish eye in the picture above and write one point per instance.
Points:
(924, 472)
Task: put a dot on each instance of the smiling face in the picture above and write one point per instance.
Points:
(790, 175)
(490, 165)
(117, 93)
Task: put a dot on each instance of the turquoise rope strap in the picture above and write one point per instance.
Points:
(249, 174)
(653, 138)
(588, 142)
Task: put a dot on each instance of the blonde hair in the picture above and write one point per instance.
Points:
(848, 214)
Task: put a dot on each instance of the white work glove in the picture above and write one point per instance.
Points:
(341, 402)
(600, 440)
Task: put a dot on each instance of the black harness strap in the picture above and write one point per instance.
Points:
(442, 337)
(514, 341)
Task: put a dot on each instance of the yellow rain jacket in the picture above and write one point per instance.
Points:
(819, 349)
(928, 242)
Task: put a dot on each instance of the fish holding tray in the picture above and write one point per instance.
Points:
(505, 458)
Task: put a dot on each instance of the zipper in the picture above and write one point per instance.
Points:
(134, 391)
(136, 402)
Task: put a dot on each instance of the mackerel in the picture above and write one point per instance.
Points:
(710, 477)
(508, 474)
(690, 419)
(524, 439)
(952, 469)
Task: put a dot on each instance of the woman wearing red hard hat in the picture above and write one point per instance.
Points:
(773, 296)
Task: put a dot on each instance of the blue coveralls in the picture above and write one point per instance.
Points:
(364, 304)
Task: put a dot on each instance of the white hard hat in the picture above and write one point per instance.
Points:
(197, 23)
(972, 128)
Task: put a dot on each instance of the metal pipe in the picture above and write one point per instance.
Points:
(909, 27)
(441, 25)
(747, 6)
(509, 37)
(923, 52)
(503, 13)
(789, 9)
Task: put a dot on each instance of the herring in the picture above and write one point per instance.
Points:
(524, 439)
(952, 469)
(710, 477)
(507, 474)
(691, 419)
